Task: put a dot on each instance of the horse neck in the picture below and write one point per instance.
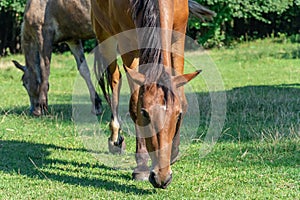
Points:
(166, 8)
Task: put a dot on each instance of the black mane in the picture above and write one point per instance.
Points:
(145, 13)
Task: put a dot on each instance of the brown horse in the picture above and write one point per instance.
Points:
(47, 23)
(150, 35)
(50, 22)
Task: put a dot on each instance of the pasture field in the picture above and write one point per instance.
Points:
(257, 155)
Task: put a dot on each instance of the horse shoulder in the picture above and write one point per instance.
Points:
(35, 12)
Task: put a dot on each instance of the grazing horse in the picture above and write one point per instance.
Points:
(47, 23)
(154, 65)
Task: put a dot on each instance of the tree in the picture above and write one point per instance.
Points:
(11, 15)
(246, 18)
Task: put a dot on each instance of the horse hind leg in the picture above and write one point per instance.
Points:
(108, 52)
(43, 59)
(116, 143)
(77, 50)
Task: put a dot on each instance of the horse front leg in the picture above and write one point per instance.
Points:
(177, 55)
(141, 171)
(78, 53)
(45, 38)
(108, 58)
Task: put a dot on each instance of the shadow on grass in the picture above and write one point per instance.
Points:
(18, 110)
(252, 112)
(61, 112)
(30, 159)
(256, 112)
(294, 54)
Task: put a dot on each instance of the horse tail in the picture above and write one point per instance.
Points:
(101, 72)
(200, 11)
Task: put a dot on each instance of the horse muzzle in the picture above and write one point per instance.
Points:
(37, 109)
(156, 181)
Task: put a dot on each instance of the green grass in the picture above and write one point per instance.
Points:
(257, 155)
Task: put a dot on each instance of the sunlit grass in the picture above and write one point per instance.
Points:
(257, 155)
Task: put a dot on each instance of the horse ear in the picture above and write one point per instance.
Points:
(19, 66)
(135, 76)
(181, 80)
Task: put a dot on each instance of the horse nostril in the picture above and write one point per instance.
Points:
(167, 182)
(36, 111)
(154, 180)
(157, 183)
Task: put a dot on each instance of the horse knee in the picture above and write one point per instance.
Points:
(84, 71)
(116, 79)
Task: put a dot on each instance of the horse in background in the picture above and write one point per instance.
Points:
(153, 57)
(50, 22)
(47, 23)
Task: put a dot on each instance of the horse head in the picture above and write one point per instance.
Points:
(157, 118)
(31, 81)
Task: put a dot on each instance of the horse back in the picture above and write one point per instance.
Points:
(67, 21)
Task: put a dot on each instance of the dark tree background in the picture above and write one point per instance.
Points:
(11, 15)
(236, 20)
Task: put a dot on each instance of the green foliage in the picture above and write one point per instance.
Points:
(295, 38)
(89, 45)
(11, 15)
(16, 6)
(249, 13)
(235, 20)
(248, 8)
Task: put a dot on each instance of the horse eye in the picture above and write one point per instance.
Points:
(179, 116)
(145, 113)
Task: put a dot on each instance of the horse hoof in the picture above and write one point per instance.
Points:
(97, 107)
(117, 147)
(36, 112)
(97, 112)
(140, 175)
